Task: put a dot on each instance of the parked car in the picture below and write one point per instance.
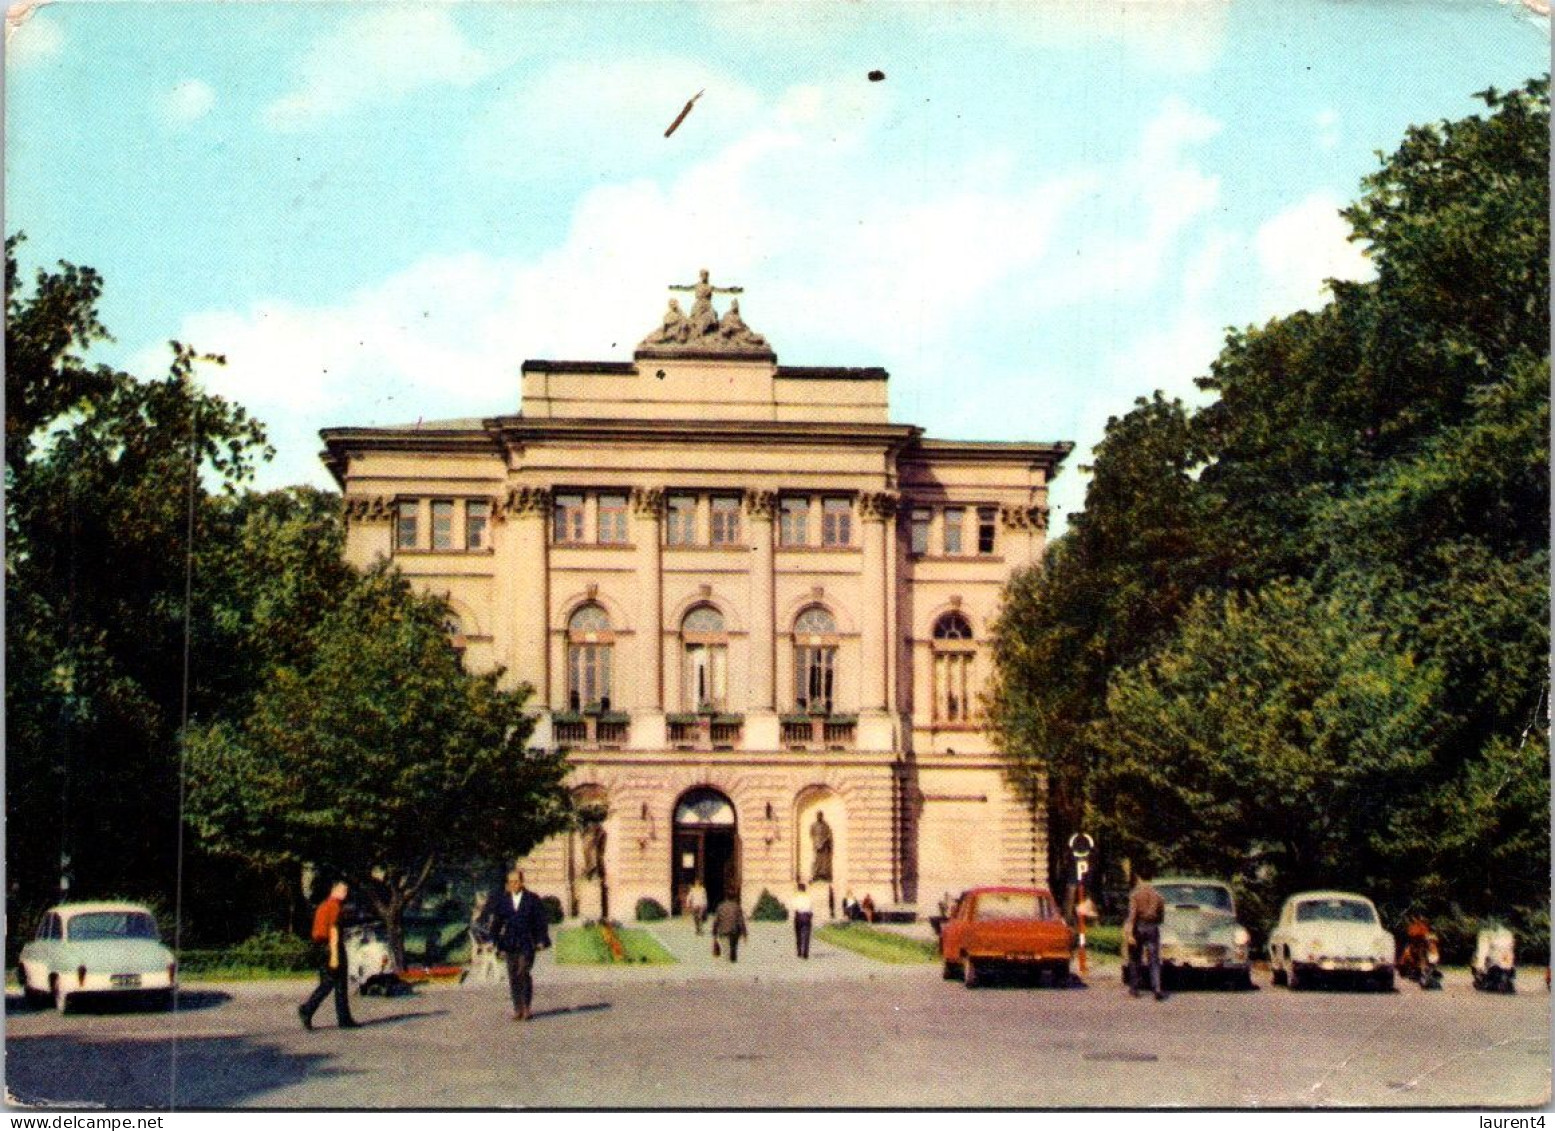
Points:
(97, 950)
(1200, 934)
(1004, 927)
(1325, 933)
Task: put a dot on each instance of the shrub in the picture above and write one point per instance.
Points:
(769, 909)
(553, 909)
(650, 910)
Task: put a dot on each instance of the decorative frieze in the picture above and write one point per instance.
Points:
(527, 501)
(1024, 518)
(368, 508)
(648, 502)
(878, 506)
(761, 504)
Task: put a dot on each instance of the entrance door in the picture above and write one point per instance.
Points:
(707, 847)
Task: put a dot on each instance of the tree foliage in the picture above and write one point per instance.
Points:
(1301, 635)
(378, 757)
(104, 474)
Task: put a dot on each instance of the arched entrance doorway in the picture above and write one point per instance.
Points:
(707, 846)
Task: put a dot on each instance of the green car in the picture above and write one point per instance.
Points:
(1200, 937)
(86, 951)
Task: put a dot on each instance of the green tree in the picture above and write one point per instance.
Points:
(105, 476)
(1111, 590)
(378, 758)
(1269, 742)
(1386, 458)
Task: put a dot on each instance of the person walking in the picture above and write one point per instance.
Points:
(696, 905)
(1142, 932)
(729, 925)
(518, 929)
(803, 908)
(330, 943)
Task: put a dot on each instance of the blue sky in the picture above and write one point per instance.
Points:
(378, 211)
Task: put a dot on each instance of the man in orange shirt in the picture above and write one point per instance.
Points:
(330, 941)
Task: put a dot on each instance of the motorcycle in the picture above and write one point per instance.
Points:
(1494, 968)
(1420, 958)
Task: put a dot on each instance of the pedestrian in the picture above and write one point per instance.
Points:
(330, 944)
(518, 929)
(729, 925)
(803, 908)
(696, 905)
(1142, 932)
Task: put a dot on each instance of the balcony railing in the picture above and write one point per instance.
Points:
(591, 731)
(819, 732)
(705, 732)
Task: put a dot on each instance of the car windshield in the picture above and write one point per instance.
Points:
(112, 925)
(1335, 911)
(1198, 895)
(1013, 905)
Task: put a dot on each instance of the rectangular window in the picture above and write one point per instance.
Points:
(442, 524)
(680, 520)
(567, 518)
(814, 669)
(837, 522)
(920, 529)
(985, 521)
(793, 521)
(405, 524)
(726, 521)
(588, 677)
(706, 677)
(612, 519)
(477, 520)
(955, 521)
(953, 687)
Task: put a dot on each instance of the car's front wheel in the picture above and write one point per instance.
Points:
(1385, 981)
(29, 995)
(1293, 979)
(952, 971)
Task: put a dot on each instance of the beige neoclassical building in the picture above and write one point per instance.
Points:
(748, 604)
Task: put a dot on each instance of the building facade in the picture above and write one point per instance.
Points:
(753, 611)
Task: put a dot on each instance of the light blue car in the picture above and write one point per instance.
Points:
(97, 950)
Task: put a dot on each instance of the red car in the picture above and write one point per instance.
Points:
(1005, 927)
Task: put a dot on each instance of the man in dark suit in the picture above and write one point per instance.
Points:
(518, 928)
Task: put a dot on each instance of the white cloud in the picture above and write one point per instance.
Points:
(30, 35)
(1300, 248)
(378, 55)
(188, 101)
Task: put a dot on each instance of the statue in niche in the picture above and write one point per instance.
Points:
(820, 840)
(594, 852)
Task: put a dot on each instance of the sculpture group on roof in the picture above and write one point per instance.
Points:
(702, 328)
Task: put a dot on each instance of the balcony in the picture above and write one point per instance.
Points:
(819, 732)
(603, 730)
(705, 731)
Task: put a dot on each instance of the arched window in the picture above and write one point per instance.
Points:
(705, 671)
(954, 653)
(815, 660)
(952, 626)
(590, 647)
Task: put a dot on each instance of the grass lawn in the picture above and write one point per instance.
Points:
(585, 946)
(883, 946)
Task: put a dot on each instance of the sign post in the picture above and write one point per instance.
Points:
(1080, 847)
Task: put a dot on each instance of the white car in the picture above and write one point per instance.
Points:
(86, 950)
(1330, 933)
